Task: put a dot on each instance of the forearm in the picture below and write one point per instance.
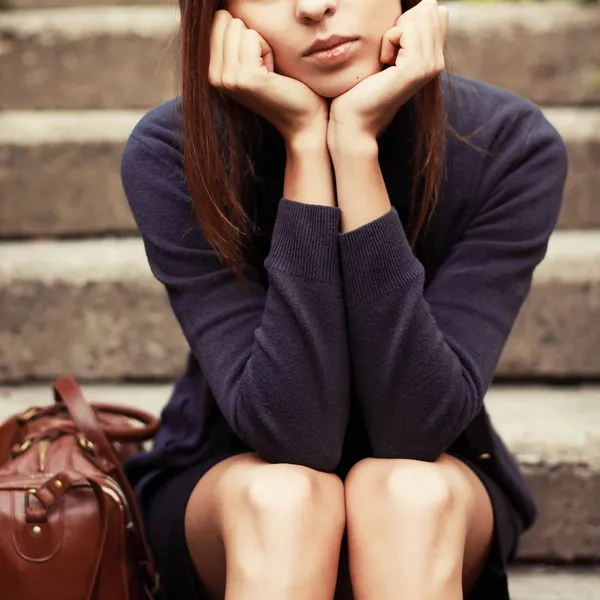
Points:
(361, 193)
(410, 385)
(308, 173)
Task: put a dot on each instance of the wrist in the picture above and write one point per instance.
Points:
(308, 173)
(310, 139)
(344, 144)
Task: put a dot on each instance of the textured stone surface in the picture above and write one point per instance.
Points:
(555, 333)
(560, 455)
(121, 57)
(96, 57)
(554, 583)
(93, 309)
(88, 308)
(18, 4)
(580, 128)
(555, 435)
(76, 160)
(548, 52)
(76, 155)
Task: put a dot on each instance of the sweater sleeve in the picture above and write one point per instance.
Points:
(423, 360)
(275, 359)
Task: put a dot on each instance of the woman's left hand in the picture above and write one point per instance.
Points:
(414, 48)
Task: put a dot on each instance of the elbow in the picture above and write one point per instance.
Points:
(291, 438)
(318, 459)
(461, 408)
(430, 435)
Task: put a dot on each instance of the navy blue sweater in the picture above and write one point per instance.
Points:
(348, 345)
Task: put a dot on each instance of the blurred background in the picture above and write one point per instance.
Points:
(77, 296)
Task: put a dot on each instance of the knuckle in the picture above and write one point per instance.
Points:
(222, 15)
(245, 82)
(213, 78)
(229, 82)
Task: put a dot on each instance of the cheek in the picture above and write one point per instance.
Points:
(269, 28)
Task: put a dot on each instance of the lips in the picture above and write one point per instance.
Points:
(328, 43)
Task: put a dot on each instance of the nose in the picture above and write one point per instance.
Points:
(314, 10)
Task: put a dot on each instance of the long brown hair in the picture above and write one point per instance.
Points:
(215, 180)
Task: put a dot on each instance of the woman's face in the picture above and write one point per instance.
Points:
(291, 26)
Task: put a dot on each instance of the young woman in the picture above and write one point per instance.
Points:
(346, 235)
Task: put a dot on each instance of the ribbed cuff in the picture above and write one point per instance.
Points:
(376, 259)
(305, 241)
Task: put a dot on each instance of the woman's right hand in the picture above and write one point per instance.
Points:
(241, 65)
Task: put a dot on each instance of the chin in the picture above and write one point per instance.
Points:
(334, 84)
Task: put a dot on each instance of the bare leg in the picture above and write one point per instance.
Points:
(258, 531)
(416, 530)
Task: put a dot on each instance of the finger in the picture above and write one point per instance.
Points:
(231, 52)
(255, 52)
(429, 29)
(404, 39)
(217, 35)
(389, 44)
(437, 29)
(445, 18)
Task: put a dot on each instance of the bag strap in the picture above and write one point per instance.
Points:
(67, 390)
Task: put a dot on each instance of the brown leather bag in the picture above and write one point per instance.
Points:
(69, 524)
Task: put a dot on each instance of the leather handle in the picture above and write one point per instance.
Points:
(68, 392)
(128, 434)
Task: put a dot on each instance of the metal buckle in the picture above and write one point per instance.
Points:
(86, 444)
(22, 448)
(29, 414)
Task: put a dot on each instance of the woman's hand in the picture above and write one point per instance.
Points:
(241, 65)
(415, 49)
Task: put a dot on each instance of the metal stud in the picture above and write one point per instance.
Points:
(58, 484)
(484, 456)
(36, 530)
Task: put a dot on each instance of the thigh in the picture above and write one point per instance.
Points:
(475, 506)
(244, 506)
(492, 580)
(480, 519)
(204, 519)
(164, 511)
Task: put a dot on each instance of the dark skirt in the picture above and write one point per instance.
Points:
(165, 502)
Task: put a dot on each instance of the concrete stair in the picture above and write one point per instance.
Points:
(77, 188)
(534, 583)
(77, 296)
(121, 56)
(559, 455)
(92, 307)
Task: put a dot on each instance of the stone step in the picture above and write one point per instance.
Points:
(77, 188)
(554, 583)
(92, 308)
(37, 4)
(76, 156)
(560, 455)
(88, 57)
(122, 56)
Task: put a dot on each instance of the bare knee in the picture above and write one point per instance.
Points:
(283, 492)
(290, 489)
(283, 524)
(417, 487)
